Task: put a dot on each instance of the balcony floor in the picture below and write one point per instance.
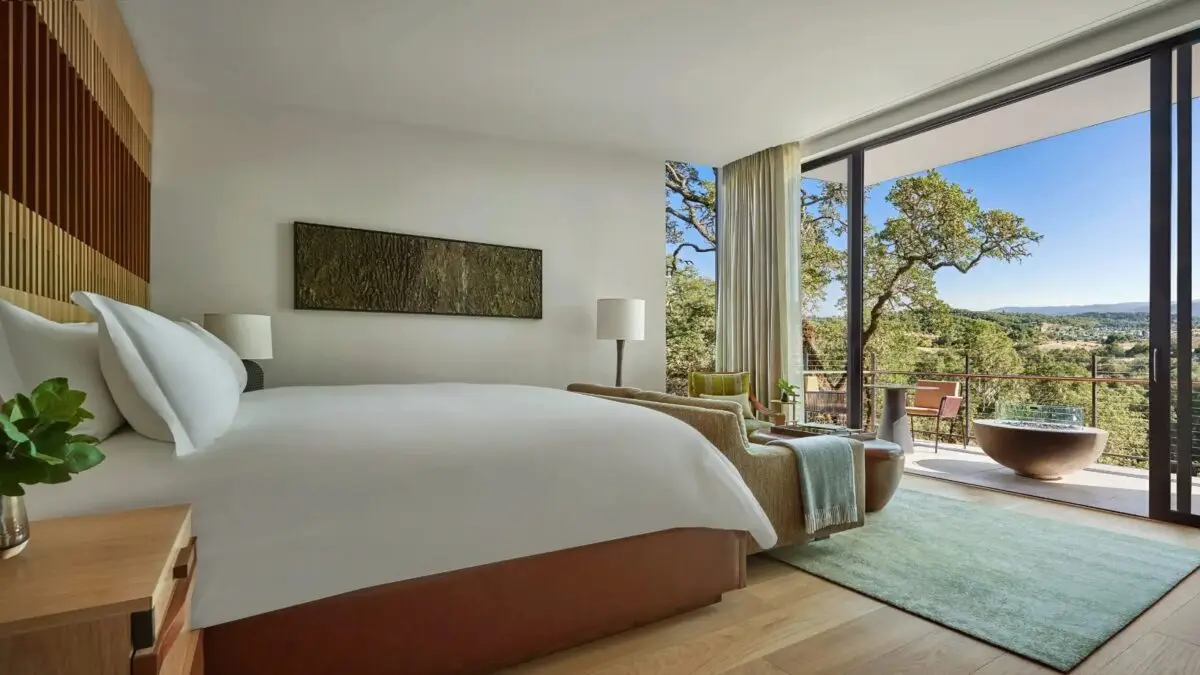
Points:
(1114, 488)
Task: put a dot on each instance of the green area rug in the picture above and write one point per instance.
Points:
(1047, 590)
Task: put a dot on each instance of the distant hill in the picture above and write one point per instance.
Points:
(1114, 308)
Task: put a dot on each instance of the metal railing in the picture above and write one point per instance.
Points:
(1096, 381)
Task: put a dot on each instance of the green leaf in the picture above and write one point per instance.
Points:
(83, 438)
(11, 431)
(27, 424)
(57, 409)
(11, 488)
(82, 456)
(57, 386)
(25, 470)
(52, 439)
(58, 473)
(48, 459)
(25, 409)
(7, 407)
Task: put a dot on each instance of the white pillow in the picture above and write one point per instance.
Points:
(167, 382)
(742, 399)
(223, 350)
(37, 349)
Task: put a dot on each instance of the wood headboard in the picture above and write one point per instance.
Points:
(75, 130)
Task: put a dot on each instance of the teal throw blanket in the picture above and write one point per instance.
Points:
(828, 492)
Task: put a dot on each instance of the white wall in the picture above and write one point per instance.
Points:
(229, 180)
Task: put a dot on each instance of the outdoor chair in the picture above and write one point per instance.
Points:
(936, 399)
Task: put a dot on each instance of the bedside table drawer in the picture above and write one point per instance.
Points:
(172, 616)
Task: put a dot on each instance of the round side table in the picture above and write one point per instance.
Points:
(885, 466)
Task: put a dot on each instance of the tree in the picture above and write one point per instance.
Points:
(691, 324)
(691, 207)
(937, 225)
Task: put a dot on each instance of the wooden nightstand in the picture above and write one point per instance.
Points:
(102, 595)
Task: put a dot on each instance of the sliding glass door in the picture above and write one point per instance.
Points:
(1174, 415)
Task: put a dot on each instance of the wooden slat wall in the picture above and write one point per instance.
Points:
(75, 127)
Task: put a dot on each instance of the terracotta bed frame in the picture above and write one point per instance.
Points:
(481, 619)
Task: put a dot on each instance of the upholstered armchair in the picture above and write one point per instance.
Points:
(771, 472)
(731, 384)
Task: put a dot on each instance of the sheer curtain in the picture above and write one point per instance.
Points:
(758, 302)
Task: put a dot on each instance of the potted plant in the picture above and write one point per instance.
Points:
(787, 390)
(787, 394)
(37, 446)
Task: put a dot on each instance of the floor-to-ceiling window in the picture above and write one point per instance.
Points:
(691, 298)
(1006, 254)
(820, 381)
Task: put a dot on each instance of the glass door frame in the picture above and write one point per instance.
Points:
(1171, 88)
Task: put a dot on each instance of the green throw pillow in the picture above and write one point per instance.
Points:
(742, 399)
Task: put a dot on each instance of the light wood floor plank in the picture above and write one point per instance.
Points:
(755, 667)
(1183, 623)
(940, 652)
(851, 644)
(1011, 664)
(1157, 654)
(746, 641)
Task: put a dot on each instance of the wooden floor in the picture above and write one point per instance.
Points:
(787, 622)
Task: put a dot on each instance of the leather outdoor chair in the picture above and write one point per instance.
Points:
(936, 399)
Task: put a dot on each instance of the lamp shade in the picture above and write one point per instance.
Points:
(620, 319)
(248, 335)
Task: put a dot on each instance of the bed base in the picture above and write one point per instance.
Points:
(484, 618)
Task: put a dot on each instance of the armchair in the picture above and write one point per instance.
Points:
(731, 384)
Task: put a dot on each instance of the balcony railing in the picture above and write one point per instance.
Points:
(1128, 421)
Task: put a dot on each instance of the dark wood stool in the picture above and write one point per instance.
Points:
(885, 466)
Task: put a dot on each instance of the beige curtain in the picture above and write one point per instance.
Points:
(757, 204)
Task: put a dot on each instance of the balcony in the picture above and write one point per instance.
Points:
(1124, 489)
(1118, 482)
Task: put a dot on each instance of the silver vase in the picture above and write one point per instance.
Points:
(14, 526)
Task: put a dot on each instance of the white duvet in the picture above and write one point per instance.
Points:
(317, 491)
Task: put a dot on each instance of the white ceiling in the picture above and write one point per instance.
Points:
(705, 81)
(1093, 101)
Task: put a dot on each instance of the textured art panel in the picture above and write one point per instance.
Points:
(339, 268)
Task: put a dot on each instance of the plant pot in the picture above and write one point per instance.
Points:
(14, 526)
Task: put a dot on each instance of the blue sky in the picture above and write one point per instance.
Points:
(1087, 192)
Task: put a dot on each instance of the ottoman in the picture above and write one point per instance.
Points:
(885, 466)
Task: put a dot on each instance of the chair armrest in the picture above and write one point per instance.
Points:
(949, 406)
(759, 408)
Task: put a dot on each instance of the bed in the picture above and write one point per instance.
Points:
(438, 528)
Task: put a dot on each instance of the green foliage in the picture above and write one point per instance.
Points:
(787, 390)
(37, 445)
(691, 324)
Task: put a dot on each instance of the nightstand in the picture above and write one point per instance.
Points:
(102, 595)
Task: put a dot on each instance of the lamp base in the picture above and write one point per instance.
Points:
(254, 376)
(620, 359)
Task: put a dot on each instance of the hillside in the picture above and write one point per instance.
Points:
(1069, 310)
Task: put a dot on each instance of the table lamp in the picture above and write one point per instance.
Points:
(620, 319)
(249, 336)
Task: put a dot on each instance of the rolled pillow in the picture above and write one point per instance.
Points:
(168, 383)
(34, 349)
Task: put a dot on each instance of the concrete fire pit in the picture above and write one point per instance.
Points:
(1042, 450)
